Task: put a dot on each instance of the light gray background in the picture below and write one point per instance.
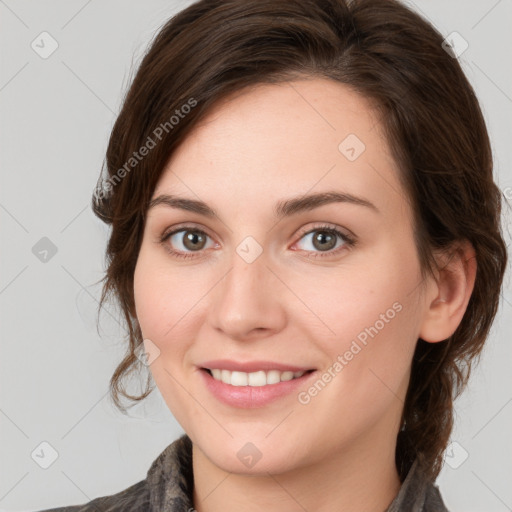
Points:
(56, 116)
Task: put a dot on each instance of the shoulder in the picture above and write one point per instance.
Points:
(417, 494)
(433, 500)
(134, 498)
(169, 483)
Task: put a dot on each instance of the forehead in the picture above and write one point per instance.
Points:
(275, 140)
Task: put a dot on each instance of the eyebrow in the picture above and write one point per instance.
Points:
(283, 208)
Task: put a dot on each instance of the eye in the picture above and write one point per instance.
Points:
(185, 241)
(326, 239)
(189, 241)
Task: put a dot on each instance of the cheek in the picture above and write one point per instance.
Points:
(170, 308)
(147, 296)
(369, 316)
(367, 363)
(351, 301)
(162, 297)
(164, 312)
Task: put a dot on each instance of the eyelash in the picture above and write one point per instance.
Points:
(349, 241)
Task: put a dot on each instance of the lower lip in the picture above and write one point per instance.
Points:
(249, 397)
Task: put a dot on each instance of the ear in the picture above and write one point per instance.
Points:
(449, 293)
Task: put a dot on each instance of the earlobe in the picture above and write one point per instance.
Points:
(449, 294)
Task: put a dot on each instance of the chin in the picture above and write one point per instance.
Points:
(251, 454)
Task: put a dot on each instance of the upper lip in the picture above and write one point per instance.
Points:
(251, 366)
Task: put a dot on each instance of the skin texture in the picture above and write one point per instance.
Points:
(265, 144)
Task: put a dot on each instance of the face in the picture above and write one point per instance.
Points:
(273, 285)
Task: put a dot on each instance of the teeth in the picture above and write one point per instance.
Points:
(255, 379)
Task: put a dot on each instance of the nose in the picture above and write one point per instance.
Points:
(249, 301)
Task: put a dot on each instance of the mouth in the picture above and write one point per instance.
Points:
(252, 384)
(257, 378)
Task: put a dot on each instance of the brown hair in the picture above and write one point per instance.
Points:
(432, 120)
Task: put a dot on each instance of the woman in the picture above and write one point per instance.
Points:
(306, 247)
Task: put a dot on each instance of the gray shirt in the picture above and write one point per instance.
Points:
(169, 484)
